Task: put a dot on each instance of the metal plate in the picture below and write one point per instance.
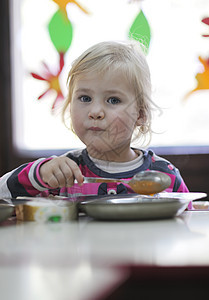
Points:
(135, 207)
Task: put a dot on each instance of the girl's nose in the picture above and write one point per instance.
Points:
(96, 114)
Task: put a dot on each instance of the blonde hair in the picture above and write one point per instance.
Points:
(128, 57)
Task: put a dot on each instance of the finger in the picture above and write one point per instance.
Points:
(68, 168)
(67, 175)
(60, 177)
(53, 182)
(76, 172)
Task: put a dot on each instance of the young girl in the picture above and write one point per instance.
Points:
(109, 99)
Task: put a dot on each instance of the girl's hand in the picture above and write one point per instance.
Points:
(60, 172)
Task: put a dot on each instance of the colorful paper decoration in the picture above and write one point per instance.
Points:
(203, 77)
(52, 80)
(61, 34)
(63, 3)
(60, 31)
(140, 30)
(205, 21)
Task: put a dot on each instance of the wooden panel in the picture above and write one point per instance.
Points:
(5, 87)
(194, 169)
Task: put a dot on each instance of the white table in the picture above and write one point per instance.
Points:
(88, 259)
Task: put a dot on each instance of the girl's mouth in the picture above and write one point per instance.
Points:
(96, 129)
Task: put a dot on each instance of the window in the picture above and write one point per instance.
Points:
(176, 43)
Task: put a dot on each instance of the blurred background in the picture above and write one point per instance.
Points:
(41, 38)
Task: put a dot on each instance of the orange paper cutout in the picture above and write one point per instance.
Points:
(202, 78)
(63, 3)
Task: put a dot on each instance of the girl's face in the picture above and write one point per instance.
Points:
(104, 113)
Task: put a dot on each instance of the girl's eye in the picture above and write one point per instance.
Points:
(113, 100)
(85, 99)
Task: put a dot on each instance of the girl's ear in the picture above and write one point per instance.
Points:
(141, 118)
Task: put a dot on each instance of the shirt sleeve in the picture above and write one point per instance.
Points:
(177, 182)
(23, 181)
(163, 165)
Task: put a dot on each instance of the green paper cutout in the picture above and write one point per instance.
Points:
(140, 30)
(60, 31)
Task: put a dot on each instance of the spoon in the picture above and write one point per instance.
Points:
(145, 182)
